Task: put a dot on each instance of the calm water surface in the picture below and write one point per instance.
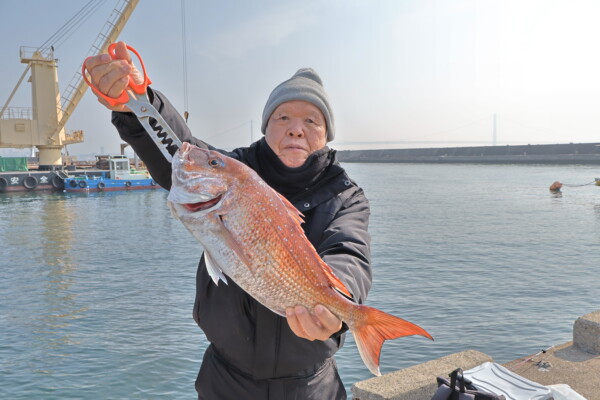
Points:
(97, 289)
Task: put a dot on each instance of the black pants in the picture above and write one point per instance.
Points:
(219, 381)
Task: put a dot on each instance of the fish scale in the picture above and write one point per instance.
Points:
(252, 235)
(273, 283)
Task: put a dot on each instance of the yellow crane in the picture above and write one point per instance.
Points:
(43, 125)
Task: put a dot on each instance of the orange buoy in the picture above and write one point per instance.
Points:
(555, 187)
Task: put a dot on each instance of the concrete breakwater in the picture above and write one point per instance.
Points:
(571, 153)
(575, 363)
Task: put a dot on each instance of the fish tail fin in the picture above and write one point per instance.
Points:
(375, 327)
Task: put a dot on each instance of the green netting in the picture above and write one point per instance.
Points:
(13, 164)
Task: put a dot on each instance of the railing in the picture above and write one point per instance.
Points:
(17, 113)
(28, 53)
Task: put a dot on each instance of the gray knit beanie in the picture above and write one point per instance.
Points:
(304, 85)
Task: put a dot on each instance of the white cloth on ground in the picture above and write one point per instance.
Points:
(564, 392)
(496, 379)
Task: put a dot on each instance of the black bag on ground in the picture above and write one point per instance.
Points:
(460, 389)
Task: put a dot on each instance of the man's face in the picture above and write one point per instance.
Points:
(295, 130)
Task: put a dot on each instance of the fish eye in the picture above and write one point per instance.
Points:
(216, 163)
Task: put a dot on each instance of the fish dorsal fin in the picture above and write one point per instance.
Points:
(335, 282)
(292, 211)
(213, 270)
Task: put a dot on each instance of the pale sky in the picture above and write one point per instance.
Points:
(418, 73)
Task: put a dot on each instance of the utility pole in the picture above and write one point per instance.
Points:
(494, 130)
(251, 129)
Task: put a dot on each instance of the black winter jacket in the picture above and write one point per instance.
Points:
(247, 335)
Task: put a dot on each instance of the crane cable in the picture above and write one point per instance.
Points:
(69, 27)
(186, 114)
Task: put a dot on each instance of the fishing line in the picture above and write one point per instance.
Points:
(514, 369)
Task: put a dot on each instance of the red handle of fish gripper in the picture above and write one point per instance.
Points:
(123, 97)
(138, 88)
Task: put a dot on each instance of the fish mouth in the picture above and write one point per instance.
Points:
(202, 205)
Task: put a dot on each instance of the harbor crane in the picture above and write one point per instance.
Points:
(43, 125)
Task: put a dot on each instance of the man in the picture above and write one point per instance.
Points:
(254, 353)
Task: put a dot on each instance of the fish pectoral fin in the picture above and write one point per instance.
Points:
(232, 243)
(213, 270)
(335, 282)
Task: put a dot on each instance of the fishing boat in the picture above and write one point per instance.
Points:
(120, 176)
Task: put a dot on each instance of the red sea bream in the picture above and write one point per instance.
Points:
(253, 235)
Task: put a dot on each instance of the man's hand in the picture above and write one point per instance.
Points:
(317, 326)
(110, 76)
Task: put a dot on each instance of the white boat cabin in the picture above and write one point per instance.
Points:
(119, 168)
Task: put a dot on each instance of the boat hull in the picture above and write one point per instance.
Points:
(78, 184)
(24, 181)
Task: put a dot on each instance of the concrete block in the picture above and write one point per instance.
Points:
(417, 382)
(586, 333)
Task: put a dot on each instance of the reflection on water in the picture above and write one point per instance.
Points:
(78, 281)
(60, 306)
(38, 227)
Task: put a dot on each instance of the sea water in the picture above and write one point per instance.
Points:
(97, 289)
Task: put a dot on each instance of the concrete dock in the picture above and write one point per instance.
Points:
(575, 363)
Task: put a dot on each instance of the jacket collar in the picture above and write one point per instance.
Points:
(319, 180)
